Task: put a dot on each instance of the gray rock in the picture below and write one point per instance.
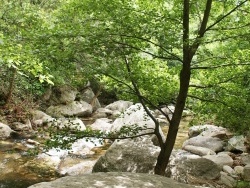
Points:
(61, 95)
(245, 158)
(75, 108)
(212, 143)
(103, 124)
(227, 180)
(236, 143)
(18, 126)
(246, 173)
(228, 170)
(120, 105)
(5, 131)
(113, 179)
(220, 160)
(87, 96)
(201, 151)
(71, 123)
(102, 113)
(239, 170)
(196, 167)
(40, 118)
(209, 131)
(131, 155)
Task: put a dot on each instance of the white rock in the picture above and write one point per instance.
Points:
(201, 151)
(120, 105)
(220, 160)
(5, 131)
(102, 124)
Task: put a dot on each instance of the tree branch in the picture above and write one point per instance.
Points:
(220, 66)
(223, 17)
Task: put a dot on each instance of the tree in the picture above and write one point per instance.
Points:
(185, 39)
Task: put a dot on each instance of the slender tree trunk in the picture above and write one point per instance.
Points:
(11, 87)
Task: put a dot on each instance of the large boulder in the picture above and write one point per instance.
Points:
(69, 123)
(75, 108)
(135, 116)
(103, 124)
(88, 95)
(220, 159)
(60, 95)
(5, 131)
(112, 179)
(209, 131)
(131, 155)
(212, 143)
(120, 105)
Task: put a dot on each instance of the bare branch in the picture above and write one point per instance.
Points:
(229, 13)
(220, 66)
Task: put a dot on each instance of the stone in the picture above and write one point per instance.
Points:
(228, 170)
(135, 116)
(227, 180)
(5, 131)
(113, 179)
(197, 167)
(212, 143)
(246, 173)
(209, 131)
(102, 113)
(64, 94)
(71, 123)
(137, 155)
(75, 108)
(18, 126)
(236, 143)
(239, 170)
(87, 95)
(40, 118)
(201, 151)
(220, 160)
(103, 124)
(245, 158)
(120, 105)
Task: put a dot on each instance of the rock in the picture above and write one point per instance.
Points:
(239, 170)
(76, 166)
(135, 116)
(102, 113)
(201, 151)
(71, 123)
(227, 180)
(64, 94)
(102, 124)
(5, 131)
(209, 131)
(245, 158)
(220, 160)
(40, 118)
(131, 155)
(120, 105)
(246, 173)
(87, 95)
(236, 143)
(196, 167)
(75, 108)
(228, 170)
(113, 179)
(17, 126)
(214, 144)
